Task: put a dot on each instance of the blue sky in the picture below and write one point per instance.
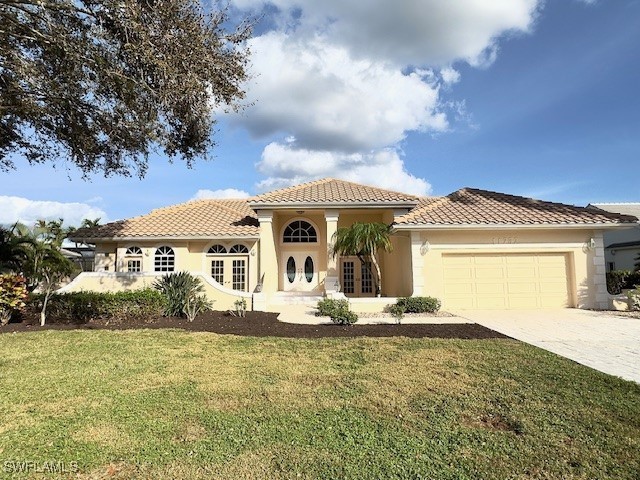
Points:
(518, 96)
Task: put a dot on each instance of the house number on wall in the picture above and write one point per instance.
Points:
(504, 240)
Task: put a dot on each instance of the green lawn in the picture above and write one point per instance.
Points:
(170, 404)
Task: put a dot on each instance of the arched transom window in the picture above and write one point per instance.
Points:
(300, 231)
(165, 259)
(238, 248)
(217, 248)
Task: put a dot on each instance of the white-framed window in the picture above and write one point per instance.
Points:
(217, 270)
(299, 231)
(164, 259)
(134, 265)
(612, 266)
(133, 259)
(217, 249)
(239, 248)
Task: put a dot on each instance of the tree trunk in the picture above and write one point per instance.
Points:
(43, 312)
(379, 276)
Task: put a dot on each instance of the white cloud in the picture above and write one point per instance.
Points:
(412, 32)
(24, 210)
(334, 80)
(284, 165)
(449, 76)
(317, 93)
(223, 193)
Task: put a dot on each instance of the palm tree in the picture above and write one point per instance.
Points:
(14, 249)
(364, 240)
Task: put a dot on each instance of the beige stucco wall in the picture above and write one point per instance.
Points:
(117, 282)
(585, 265)
(189, 256)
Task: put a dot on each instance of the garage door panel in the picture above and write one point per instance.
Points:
(459, 288)
(487, 260)
(553, 271)
(521, 272)
(458, 274)
(490, 288)
(461, 302)
(525, 287)
(557, 288)
(509, 280)
(489, 302)
(492, 273)
(519, 260)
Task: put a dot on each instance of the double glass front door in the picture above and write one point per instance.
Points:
(300, 271)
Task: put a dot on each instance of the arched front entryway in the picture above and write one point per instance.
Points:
(299, 268)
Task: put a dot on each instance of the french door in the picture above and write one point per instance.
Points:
(231, 272)
(356, 277)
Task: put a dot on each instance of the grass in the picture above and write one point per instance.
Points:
(170, 404)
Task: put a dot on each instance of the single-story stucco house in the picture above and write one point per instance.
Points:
(473, 249)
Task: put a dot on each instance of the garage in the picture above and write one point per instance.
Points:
(506, 280)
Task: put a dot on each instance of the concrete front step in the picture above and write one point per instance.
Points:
(294, 298)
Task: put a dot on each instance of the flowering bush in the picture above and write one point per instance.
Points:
(13, 293)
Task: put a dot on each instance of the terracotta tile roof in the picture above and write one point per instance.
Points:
(198, 218)
(332, 191)
(470, 206)
(621, 208)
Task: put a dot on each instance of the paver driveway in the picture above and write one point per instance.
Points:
(600, 340)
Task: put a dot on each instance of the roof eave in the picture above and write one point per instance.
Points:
(164, 237)
(509, 226)
(332, 205)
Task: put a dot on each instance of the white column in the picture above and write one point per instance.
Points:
(417, 264)
(268, 261)
(331, 281)
(600, 275)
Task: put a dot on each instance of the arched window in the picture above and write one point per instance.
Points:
(133, 258)
(133, 252)
(238, 249)
(217, 248)
(165, 259)
(300, 231)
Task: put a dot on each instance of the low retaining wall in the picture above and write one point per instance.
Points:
(223, 298)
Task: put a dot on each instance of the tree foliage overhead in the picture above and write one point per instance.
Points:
(105, 82)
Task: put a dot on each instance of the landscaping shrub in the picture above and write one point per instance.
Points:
(240, 308)
(634, 295)
(184, 294)
(338, 310)
(84, 306)
(327, 307)
(419, 304)
(344, 317)
(618, 280)
(397, 311)
(13, 293)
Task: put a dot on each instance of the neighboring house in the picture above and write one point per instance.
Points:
(471, 249)
(621, 247)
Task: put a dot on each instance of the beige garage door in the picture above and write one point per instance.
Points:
(486, 281)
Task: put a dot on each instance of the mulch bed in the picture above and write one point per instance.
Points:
(265, 324)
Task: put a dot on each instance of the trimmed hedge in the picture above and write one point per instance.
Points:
(419, 304)
(80, 307)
